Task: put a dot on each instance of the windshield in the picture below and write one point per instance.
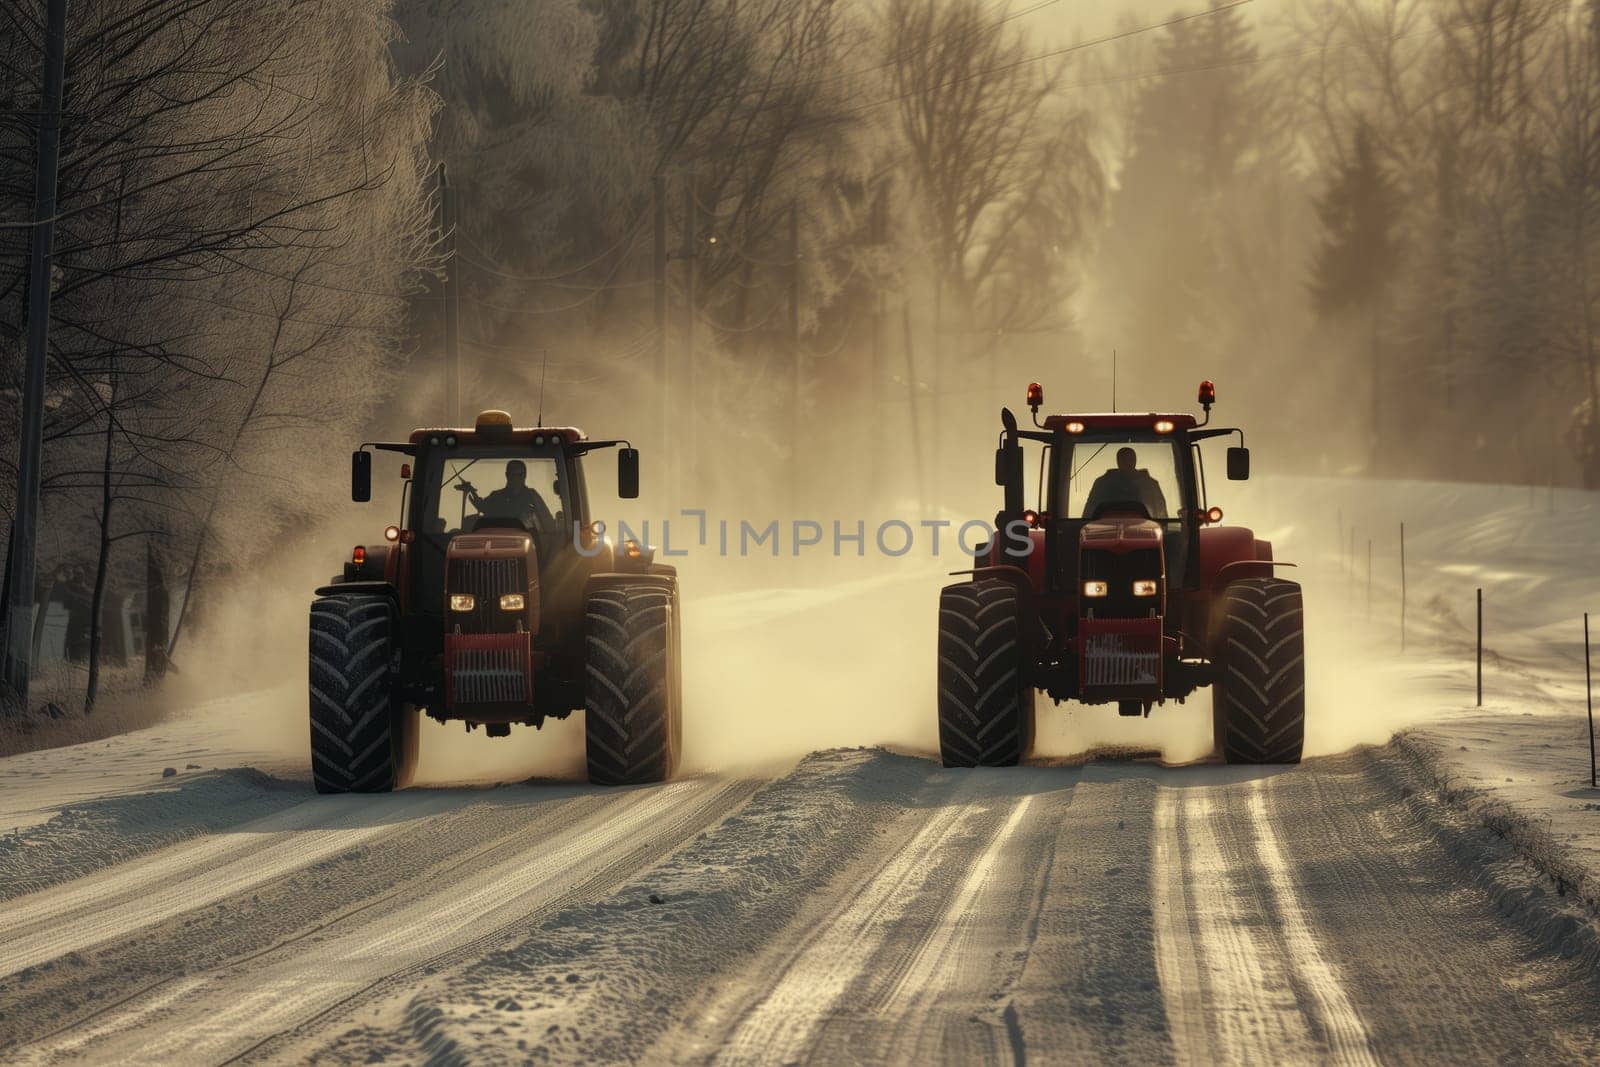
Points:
(1107, 472)
(496, 492)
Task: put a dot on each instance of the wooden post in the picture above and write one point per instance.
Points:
(1588, 686)
(1480, 646)
(1369, 577)
(1402, 587)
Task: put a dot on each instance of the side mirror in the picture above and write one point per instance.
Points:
(361, 476)
(1008, 474)
(1238, 464)
(628, 473)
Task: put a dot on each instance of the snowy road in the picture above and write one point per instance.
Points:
(855, 905)
(866, 907)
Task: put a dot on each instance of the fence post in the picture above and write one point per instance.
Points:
(1402, 587)
(1588, 686)
(1480, 646)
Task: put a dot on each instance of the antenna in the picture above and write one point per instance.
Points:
(1113, 379)
(543, 367)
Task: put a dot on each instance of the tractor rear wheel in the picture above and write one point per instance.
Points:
(363, 739)
(1259, 699)
(985, 702)
(632, 714)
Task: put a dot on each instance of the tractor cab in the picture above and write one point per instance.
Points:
(1120, 480)
(1112, 482)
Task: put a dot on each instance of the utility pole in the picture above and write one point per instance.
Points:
(448, 222)
(660, 186)
(690, 251)
(20, 579)
(794, 354)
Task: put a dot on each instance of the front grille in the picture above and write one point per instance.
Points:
(489, 676)
(1118, 570)
(486, 580)
(1121, 660)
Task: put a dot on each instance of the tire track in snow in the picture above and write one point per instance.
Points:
(936, 968)
(1248, 1006)
(1229, 962)
(231, 1009)
(1341, 1026)
(1176, 963)
(932, 969)
(123, 899)
(817, 976)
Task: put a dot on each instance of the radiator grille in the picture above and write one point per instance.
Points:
(486, 580)
(490, 676)
(1119, 660)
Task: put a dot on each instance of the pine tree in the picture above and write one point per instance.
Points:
(1359, 212)
(1357, 258)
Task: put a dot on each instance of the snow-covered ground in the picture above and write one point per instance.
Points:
(1536, 556)
(179, 893)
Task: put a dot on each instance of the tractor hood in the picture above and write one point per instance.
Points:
(1120, 533)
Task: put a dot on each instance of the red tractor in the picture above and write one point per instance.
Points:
(1123, 587)
(494, 607)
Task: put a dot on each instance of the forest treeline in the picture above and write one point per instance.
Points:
(1373, 222)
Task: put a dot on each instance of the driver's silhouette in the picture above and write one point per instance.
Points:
(1127, 484)
(515, 501)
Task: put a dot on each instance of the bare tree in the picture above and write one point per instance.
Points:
(215, 152)
(1005, 178)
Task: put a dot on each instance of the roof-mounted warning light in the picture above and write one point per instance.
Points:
(1208, 396)
(1035, 400)
(493, 421)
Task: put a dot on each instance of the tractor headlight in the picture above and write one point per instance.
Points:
(1144, 587)
(1095, 589)
(513, 602)
(462, 601)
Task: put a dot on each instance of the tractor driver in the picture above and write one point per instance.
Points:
(516, 500)
(1127, 482)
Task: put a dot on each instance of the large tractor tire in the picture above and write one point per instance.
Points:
(1259, 699)
(363, 739)
(985, 702)
(632, 715)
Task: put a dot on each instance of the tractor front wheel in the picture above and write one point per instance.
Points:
(632, 717)
(1259, 698)
(985, 701)
(363, 739)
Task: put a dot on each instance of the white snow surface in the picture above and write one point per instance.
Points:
(858, 885)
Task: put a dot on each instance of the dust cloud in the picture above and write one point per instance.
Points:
(790, 653)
